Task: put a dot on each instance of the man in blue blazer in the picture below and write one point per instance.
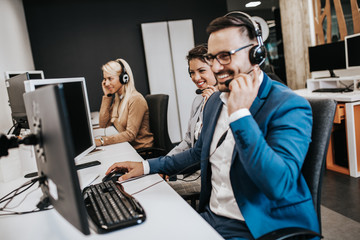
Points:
(254, 140)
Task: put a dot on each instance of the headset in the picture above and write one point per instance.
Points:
(124, 76)
(257, 54)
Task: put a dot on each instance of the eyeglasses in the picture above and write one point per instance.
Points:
(223, 58)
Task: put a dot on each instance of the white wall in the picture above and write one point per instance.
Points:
(166, 45)
(15, 51)
(181, 35)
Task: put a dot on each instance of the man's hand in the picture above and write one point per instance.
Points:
(133, 169)
(243, 90)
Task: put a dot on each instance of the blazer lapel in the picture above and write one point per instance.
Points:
(262, 95)
(214, 108)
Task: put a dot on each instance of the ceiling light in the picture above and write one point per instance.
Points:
(253, 4)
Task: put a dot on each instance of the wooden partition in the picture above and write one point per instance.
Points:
(323, 14)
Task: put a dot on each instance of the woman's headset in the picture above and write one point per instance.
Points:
(124, 76)
(257, 54)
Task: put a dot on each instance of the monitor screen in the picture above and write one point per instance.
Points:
(76, 99)
(352, 46)
(48, 116)
(15, 89)
(328, 56)
(36, 74)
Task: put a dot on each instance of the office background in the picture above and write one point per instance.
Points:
(74, 38)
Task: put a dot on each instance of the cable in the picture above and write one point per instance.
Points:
(190, 180)
(42, 205)
(221, 140)
(346, 86)
(22, 213)
(148, 187)
(22, 199)
(11, 128)
(16, 192)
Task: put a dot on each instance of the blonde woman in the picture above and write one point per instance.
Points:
(128, 112)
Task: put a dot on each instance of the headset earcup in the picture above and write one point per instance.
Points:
(124, 78)
(257, 54)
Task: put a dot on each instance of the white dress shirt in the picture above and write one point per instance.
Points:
(222, 200)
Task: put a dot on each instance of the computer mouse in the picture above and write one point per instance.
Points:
(114, 176)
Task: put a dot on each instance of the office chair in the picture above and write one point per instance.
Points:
(158, 108)
(323, 116)
(275, 77)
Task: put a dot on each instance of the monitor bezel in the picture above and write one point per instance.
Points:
(15, 101)
(340, 64)
(41, 72)
(346, 51)
(50, 123)
(30, 85)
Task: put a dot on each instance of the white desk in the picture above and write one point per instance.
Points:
(351, 101)
(167, 214)
(331, 82)
(340, 97)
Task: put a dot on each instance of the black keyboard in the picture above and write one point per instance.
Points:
(110, 207)
(333, 90)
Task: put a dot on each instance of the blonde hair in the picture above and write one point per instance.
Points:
(114, 68)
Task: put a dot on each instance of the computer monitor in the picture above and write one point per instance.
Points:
(328, 56)
(48, 116)
(33, 74)
(76, 99)
(352, 51)
(15, 89)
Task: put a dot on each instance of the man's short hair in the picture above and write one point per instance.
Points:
(244, 24)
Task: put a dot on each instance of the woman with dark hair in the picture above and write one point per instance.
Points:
(205, 81)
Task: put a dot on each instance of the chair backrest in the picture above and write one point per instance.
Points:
(158, 109)
(323, 116)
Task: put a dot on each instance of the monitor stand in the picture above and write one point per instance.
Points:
(332, 75)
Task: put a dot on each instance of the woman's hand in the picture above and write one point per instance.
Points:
(208, 92)
(97, 142)
(104, 88)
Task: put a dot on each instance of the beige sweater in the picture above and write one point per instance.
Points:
(132, 124)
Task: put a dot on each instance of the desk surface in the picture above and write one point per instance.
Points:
(168, 215)
(340, 97)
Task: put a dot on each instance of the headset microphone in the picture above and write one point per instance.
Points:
(199, 91)
(227, 82)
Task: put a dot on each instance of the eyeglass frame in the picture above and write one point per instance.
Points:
(210, 60)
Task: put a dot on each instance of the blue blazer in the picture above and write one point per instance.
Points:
(270, 148)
